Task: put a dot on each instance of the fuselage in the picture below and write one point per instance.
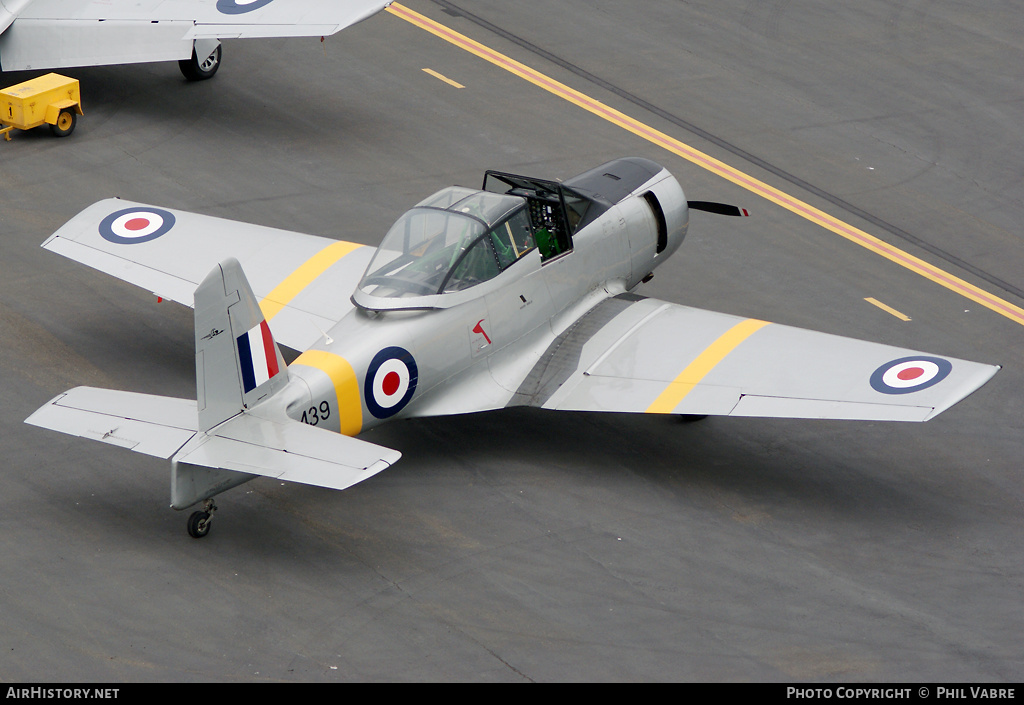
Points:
(471, 310)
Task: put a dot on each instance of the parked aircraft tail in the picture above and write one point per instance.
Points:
(238, 364)
(236, 430)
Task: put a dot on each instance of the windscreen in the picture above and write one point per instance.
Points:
(443, 235)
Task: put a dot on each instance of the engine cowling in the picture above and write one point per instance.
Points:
(643, 208)
(655, 218)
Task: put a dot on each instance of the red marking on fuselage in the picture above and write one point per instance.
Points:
(136, 224)
(910, 373)
(480, 329)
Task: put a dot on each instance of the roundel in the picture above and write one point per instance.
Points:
(910, 374)
(134, 225)
(237, 7)
(390, 382)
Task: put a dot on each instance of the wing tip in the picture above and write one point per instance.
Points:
(969, 386)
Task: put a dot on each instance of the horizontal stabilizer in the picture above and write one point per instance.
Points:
(166, 428)
(288, 450)
(156, 426)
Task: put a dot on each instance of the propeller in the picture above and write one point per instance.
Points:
(718, 208)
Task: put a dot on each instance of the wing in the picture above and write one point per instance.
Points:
(303, 282)
(632, 354)
(61, 33)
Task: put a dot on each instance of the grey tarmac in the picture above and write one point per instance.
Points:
(524, 545)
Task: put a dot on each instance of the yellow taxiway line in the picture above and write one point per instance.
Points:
(887, 309)
(804, 210)
(439, 77)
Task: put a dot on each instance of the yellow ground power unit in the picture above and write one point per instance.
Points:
(52, 99)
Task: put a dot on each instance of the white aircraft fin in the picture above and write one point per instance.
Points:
(238, 363)
(238, 366)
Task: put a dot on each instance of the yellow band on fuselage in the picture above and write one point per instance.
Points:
(690, 377)
(349, 408)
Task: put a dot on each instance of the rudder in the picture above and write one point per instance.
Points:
(238, 363)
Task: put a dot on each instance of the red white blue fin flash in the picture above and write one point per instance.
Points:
(257, 356)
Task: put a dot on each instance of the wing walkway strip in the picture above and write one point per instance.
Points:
(302, 277)
(804, 210)
(697, 370)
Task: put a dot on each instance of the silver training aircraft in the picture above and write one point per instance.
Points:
(47, 34)
(520, 293)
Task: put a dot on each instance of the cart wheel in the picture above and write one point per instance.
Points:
(195, 70)
(65, 124)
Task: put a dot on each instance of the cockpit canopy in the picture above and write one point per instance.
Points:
(452, 240)
(460, 237)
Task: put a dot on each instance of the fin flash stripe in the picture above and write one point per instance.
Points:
(257, 356)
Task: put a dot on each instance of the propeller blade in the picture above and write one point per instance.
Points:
(718, 208)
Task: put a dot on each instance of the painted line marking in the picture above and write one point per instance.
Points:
(302, 277)
(690, 377)
(447, 80)
(804, 210)
(887, 309)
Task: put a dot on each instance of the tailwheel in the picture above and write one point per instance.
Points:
(199, 522)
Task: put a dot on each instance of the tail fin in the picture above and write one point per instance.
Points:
(238, 363)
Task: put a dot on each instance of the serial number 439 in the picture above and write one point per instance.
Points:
(315, 414)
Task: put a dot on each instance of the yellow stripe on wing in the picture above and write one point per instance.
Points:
(302, 277)
(690, 377)
(349, 407)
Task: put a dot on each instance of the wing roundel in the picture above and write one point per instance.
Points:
(302, 282)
